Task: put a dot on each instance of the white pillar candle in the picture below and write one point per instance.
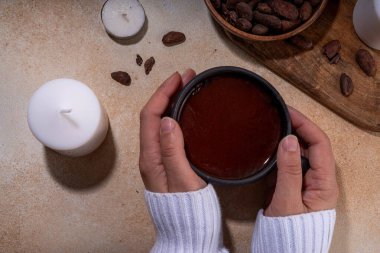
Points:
(65, 115)
(123, 18)
(366, 19)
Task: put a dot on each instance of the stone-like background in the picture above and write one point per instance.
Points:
(49, 203)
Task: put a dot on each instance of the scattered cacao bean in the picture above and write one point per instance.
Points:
(259, 29)
(335, 59)
(121, 77)
(173, 38)
(244, 11)
(346, 85)
(305, 11)
(301, 42)
(314, 2)
(287, 25)
(148, 65)
(264, 8)
(267, 20)
(243, 24)
(366, 62)
(139, 60)
(284, 9)
(331, 48)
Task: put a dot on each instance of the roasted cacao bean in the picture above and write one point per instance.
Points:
(331, 48)
(346, 85)
(260, 29)
(139, 60)
(121, 77)
(244, 11)
(243, 24)
(267, 20)
(264, 8)
(287, 25)
(173, 38)
(366, 62)
(314, 2)
(284, 9)
(148, 65)
(306, 11)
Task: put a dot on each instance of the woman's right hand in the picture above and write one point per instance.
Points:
(318, 189)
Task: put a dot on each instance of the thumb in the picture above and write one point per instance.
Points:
(180, 176)
(287, 197)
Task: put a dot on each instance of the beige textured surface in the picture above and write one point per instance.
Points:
(50, 203)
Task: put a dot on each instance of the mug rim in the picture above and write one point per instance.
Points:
(186, 92)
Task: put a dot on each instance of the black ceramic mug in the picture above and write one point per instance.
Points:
(226, 76)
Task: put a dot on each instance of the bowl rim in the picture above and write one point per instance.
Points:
(185, 93)
(249, 36)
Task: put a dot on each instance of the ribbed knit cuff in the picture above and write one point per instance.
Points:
(186, 222)
(304, 233)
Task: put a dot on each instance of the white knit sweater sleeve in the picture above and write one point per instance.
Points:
(186, 222)
(304, 233)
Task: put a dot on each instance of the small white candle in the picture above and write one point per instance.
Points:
(65, 115)
(123, 18)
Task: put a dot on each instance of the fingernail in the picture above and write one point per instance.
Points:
(187, 71)
(166, 125)
(290, 144)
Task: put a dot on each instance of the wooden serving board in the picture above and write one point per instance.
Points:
(311, 72)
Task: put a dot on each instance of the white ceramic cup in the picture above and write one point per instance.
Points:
(366, 20)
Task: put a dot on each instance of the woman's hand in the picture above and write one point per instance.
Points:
(163, 163)
(318, 190)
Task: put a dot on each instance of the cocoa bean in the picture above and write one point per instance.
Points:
(121, 77)
(244, 24)
(270, 21)
(259, 29)
(366, 62)
(314, 3)
(287, 25)
(231, 4)
(335, 59)
(305, 11)
(148, 65)
(253, 3)
(244, 11)
(264, 8)
(301, 42)
(284, 9)
(139, 60)
(346, 85)
(331, 48)
(232, 17)
(173, 38)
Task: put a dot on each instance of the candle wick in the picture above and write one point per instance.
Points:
(66, 110)
(125, 16)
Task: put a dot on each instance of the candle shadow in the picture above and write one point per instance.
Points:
(135, 39)
(86, 172)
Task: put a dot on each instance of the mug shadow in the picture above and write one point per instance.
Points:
(86, 172)
(240, 203)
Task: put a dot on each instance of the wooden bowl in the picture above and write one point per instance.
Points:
(251, 37)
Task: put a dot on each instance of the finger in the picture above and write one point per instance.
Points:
(187, 76)
(287, 197)
(151, 115)
(180, 176)
(319, 148)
